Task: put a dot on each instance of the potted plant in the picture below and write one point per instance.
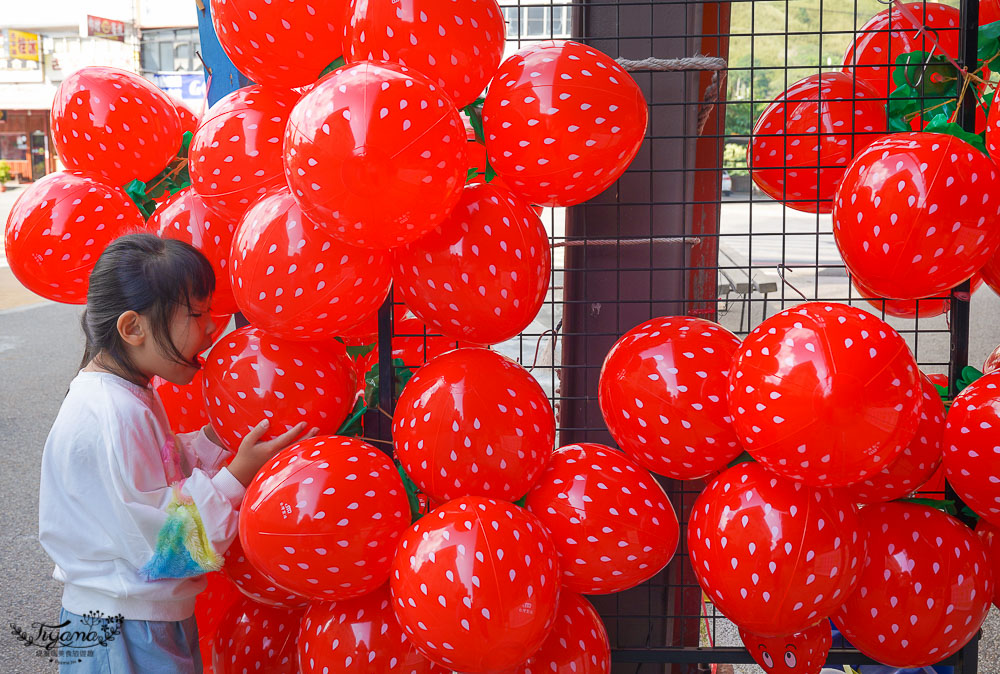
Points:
(5, 175)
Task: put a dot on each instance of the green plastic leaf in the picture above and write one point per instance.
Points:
(352, 426)
(927, 75)
(490, 173)
(471, 174)
(942, 125)
(412, 494)
(136, 190)
(522, 502)
(185, 144)
(474, 111)
(989, 41)
(969, 375)
(337, 62)
(363, 350)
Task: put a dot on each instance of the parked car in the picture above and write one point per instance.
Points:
(727, 184)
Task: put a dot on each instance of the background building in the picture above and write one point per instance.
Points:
(43, 43)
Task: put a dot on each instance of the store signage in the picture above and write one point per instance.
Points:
(106, 28)
(22, 46)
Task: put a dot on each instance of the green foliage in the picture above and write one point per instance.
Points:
(5, 172)
(734, 159)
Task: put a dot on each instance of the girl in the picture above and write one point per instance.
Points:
(132, 515)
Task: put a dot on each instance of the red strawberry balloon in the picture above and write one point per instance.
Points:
(323, 518)
(807, 136)
(475, 584)
(376, 154)
(250, 376)
(611, 522)
(928, 307)
(185, 405)
(358, 636)
(256, 638)
(914, 215)
(190, 121)
(971, 441)
(187, 217)
(481, 275)
(925, 588)
(663, 394)
(800, 653)
(916, 463)
(293, 280)
(280, 42)
(989, 534)
(578, 644)
(825, 393)
(992, 361)
(457, 46)
(991, 272)
(472, 422)
(210, 608)
(114, 124)
(255, 585)
(235, 156)
(562, 122)
(775, 556)
(891, 33)
(59, 226)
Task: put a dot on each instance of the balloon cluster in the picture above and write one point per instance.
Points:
(912, 195)
(360, 158)
(838, 424)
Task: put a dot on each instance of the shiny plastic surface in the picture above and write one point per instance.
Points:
(925, 588)
(800, 653)
(969, 437)
(774, 556)
(209, 608)
(235, 156)
(184, 405)
(473, 422)
(250, 376)
(888, 34)
(807, 136)
(663, 394)
(612, 524)
(457, 46)
(185, 216)
(475, 584)
(255, 585)
(991, 273)
(114, 124)
(322, 519)
(358, 636)
(190, 120)
(280, 42)
(293, 280)
(59, 226)
(929, 307)
(989, 534)
(376, 154)
(577, 644)
(256, 638)
(824, 393)
(915, 214)
(992, 361)
(481, 275)
(562, 122)
(916, 463)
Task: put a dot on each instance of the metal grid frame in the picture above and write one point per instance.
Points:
(715, 270)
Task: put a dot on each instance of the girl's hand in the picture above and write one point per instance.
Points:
(253, 453)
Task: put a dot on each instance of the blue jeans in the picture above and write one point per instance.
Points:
(146, 646)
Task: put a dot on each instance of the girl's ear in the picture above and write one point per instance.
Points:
(131, 328)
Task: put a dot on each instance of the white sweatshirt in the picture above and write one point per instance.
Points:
(131, 514)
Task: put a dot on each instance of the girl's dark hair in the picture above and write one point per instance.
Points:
(148, 275)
